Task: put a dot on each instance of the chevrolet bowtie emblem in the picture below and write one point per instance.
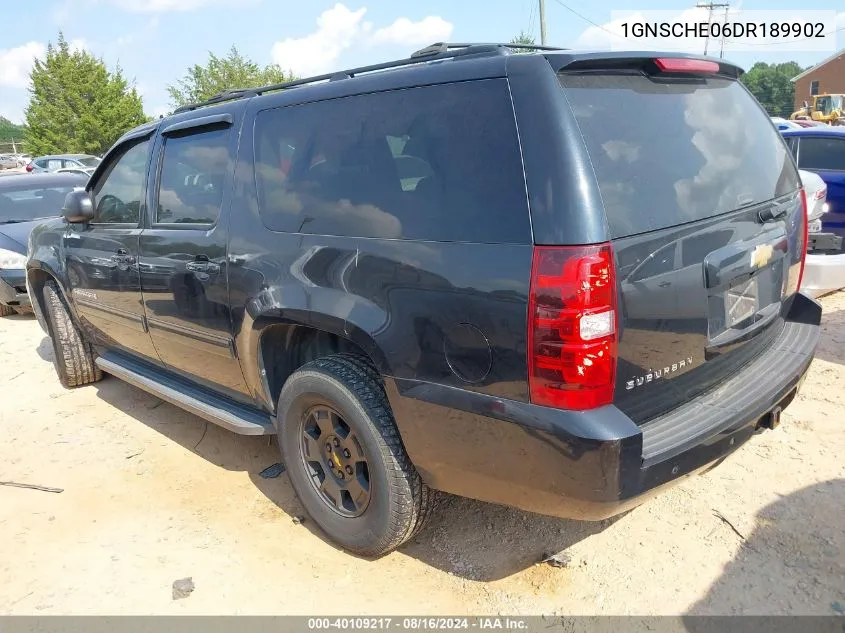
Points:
(761, 255)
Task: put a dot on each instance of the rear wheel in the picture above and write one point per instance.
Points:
(345, 458)
(73, 356)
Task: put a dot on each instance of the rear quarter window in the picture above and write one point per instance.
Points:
(669, 152)
(437, 163)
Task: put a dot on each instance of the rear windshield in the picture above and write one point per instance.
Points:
(670, 152)
(30, 204)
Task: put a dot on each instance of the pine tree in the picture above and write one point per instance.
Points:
(77, 104)
(524, 39)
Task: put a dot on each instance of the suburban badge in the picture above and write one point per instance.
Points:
(654, 374)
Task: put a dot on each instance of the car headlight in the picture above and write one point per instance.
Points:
(10, 259)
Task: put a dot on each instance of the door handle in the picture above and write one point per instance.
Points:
(202, 265)
(664, 284)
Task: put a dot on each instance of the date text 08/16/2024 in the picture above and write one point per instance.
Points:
(417, 623)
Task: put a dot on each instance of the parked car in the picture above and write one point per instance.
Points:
(784, 124)
(816, 191)
(59, 161)
(526, 279)
(808, 123)
(81, 171)
(821, 150)
(24, 201)
(8, 161)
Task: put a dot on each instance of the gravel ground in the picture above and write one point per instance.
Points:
(153, 495)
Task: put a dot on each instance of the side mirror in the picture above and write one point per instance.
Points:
(78, 207)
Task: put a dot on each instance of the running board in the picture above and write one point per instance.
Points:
(208, 406)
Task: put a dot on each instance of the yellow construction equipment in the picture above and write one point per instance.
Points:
(825, 109)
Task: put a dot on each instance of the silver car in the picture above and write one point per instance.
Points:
(56, 162)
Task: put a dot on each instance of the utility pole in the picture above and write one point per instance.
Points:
(710, 6)
(722, 45)
(543, 22)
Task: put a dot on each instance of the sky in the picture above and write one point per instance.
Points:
(155, 41)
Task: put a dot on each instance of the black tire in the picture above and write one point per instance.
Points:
(399, 502)
(6, 310)
(73, 356)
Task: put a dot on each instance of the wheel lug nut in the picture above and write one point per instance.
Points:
(346, 453)
(336, 442)
(349, 470)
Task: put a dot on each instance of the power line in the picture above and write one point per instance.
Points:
(531, 15)
(586, 19)
(710, 6)
(729, 41)
(803, 39)
(608, 31)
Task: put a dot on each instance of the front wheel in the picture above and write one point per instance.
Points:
(74, 357)
(345, 458)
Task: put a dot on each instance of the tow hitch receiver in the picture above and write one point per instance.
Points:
(772, 419)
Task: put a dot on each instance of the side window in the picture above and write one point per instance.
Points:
(663, 261)
(792, 144)
(696, 248)
(821, 153)
(54, 163)
(193, 173)
(435, 163)
(118, 193)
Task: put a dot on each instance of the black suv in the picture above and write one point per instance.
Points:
(556, 281)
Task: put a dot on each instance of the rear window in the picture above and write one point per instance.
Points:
(821, 153)
(90, 161)
(30, 204)
(668, 152)
(435, 163)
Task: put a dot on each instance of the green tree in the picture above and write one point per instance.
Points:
(223, 73)
(772, 86)
(9, 131)
(77, 104)
(524, 39)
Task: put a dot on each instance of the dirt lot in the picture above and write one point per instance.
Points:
(151, 495)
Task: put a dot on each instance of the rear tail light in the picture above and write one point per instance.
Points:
(682, 65)
(805, 235)
(29, 167)
(572, 332)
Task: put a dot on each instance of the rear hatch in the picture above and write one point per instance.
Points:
(706, 218)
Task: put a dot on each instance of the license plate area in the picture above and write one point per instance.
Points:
(742, 301)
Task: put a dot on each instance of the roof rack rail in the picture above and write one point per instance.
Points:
(438, 48)
(226, 95)
(436, 51)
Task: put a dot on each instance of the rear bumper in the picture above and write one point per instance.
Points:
(13, 288)
(594, 464)
(823, 273)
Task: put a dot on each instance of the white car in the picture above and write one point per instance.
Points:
(824, 271)
(816, 191)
